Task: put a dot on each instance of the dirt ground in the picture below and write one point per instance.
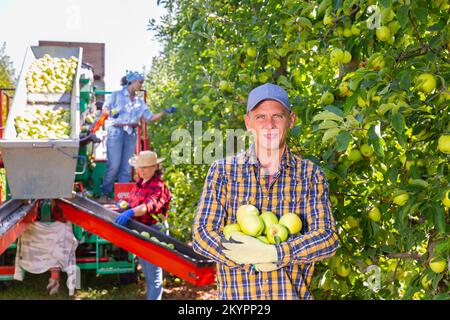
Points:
(178, 289)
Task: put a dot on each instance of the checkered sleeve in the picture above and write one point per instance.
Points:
(320, 241)
(209, 220)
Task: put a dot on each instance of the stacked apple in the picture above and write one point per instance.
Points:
(265, 226)
(43, 124)
(51, 74)
(145, 234)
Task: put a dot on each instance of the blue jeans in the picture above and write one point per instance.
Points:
(120, 147)
(153, 274)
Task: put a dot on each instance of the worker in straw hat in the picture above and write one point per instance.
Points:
(149, 199)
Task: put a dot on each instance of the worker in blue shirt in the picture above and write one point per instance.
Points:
(125, 109)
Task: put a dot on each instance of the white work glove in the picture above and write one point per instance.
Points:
(244, 249)
(266, 267)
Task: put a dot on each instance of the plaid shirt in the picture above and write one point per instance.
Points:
(155, 194)
(299, 186)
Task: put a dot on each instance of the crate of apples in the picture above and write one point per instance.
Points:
(264, 226)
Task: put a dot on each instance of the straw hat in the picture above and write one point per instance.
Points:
(145, 159)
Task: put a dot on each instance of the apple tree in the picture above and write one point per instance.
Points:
(369, 85)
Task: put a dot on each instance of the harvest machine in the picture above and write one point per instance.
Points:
(49, 177)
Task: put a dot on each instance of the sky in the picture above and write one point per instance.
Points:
(120, 24)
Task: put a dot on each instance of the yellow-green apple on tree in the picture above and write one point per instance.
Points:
(375, 214)
(401, 198)
(444, 143)
(446, 199)
(327, 98)
(354, 155)
(366, 150)
(426, 82)
(438, 264)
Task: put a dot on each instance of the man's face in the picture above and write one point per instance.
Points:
(269, 123)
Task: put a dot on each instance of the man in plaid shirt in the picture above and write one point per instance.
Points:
(271, 178)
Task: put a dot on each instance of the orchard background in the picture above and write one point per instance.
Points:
(385, 95)
(368, 81)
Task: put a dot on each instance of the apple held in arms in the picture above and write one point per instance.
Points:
(264, 226)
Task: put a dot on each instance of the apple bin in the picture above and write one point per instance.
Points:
(42, 168)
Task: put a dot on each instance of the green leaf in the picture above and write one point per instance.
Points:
(323, 6)
(385, 3)
(305, 22)
(327, 115)
(439, 218)
(335, 110)
(327, 124)
(376, 141)
(330, 134)
(421, 13)
(402, 15)
(398, 123)
(342, 141)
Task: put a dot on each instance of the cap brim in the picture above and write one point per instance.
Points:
(270, 98)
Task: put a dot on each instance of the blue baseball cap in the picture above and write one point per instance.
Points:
(267, 91)
(134, 75)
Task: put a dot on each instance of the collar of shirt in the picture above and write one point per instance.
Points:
(141, 184)
(287, 159)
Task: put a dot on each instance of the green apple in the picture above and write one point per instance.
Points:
(426, 282)
(401, 198)
(123, 204)
(352, 222)
(145, 234)
(347, 32)
(343, 89)
(366, 150)
(347, 57)
(268, 218)
(343, 270)
(229, 229)
(426, 82)
(438, 264)
(327, 98)
(355, 155)
(263, 239)
(336, 56)
(355, 30)
(244, 210)
(375, 214)
(444, 143)
(292, 222)
(446, 199)
(251, 52)
(251, 225)
(277, 233)
(383, 33)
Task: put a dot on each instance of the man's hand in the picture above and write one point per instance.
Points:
(123, 218)
(170, 110)
(244, 249)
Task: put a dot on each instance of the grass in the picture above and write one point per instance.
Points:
(102, 287)
(93, 287)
